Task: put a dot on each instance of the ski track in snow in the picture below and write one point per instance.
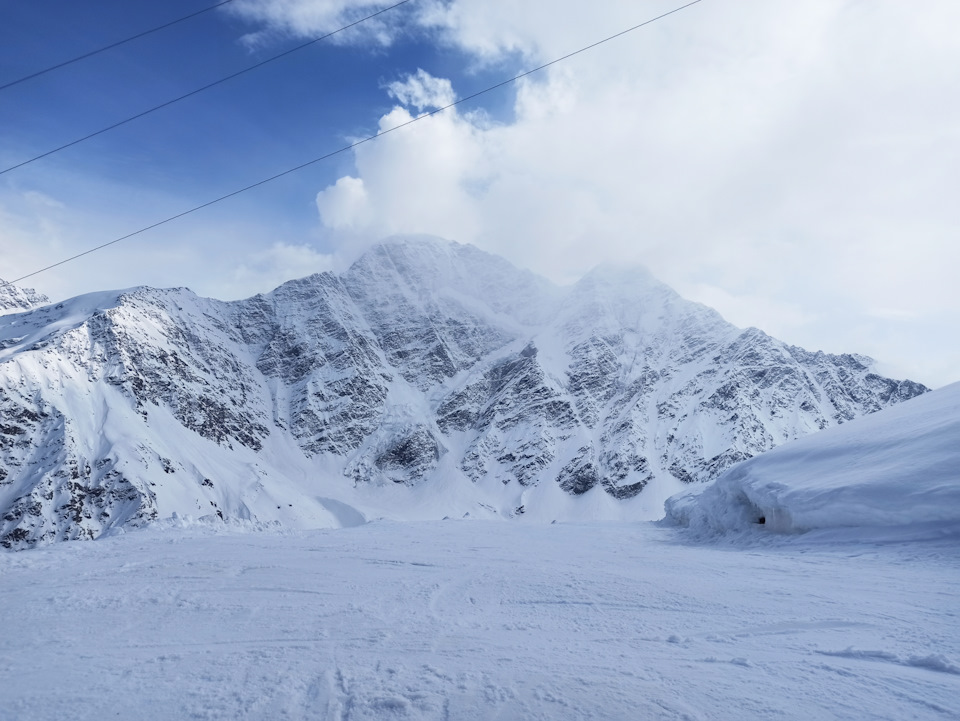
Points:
(479, 620)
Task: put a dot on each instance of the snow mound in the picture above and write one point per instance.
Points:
(898, 467)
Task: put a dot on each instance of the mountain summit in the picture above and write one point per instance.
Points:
(14, 299)
(429, 379)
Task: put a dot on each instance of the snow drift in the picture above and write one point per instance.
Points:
(898, 467)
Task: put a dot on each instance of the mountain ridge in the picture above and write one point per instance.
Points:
(16, 299)
(429, 379)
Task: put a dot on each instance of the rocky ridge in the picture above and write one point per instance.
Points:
(14, 299)
(429, 379)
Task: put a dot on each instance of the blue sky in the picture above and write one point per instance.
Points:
(791, 164)
(296, 108)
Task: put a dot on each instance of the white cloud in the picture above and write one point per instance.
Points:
(271, 267)
(31, 230)
(791, 163)
(344, 205)
(798, 157)
(313, 18)
(219, 255)
(776, 318)
(422, 91)
(416, 180)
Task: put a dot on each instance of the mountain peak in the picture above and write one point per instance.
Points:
(428, 363)
(420, 240)
(432, 259)
(612, 300)
(422, 269)
(14, 299)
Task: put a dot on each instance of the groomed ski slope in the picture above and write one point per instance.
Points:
(472, 619)
(897, 468)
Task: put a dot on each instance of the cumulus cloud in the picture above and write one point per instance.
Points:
(344, 204)
(792, 156)
(423, 179)
(422, 91)
(276, 265)
(313, 18)
(792, 164)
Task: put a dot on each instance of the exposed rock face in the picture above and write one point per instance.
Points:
(324, 366)
(439, 309)
(14, 299)
(424, 360)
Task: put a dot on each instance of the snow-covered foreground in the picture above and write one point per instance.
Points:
(481, 620)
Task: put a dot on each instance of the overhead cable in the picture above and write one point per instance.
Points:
(345, 148)
(111, 46)
(201, 89)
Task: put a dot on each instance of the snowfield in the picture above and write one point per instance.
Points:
(899, 467)
(473, 619)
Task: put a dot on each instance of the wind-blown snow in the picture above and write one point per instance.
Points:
(473, 620)
(897, 467)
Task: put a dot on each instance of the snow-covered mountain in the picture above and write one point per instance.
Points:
(429, 379)
(14, 299)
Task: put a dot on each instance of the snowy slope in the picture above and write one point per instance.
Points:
(478, 621)
(431, 379)
(898, 467)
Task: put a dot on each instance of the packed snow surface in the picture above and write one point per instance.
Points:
(474, 619)
(897, 467)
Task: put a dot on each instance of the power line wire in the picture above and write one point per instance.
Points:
(201, 89)
(111, 46)
(353, 145)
